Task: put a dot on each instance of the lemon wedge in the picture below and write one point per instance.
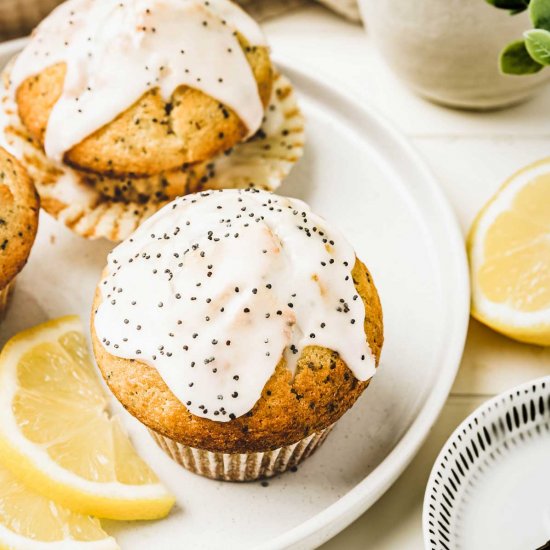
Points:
(29, 521)
(509, 251)
(56, 435)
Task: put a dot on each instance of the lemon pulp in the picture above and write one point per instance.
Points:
(517, 251)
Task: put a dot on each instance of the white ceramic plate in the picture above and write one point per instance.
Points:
(359, 173)
(489, 486)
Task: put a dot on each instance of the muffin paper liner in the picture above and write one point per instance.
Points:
(242, 466)
(267, 158)
(95, 205)
(5, 294)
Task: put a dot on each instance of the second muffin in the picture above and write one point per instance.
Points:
(238, 326)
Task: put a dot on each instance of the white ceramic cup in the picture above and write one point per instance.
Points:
(447, 50)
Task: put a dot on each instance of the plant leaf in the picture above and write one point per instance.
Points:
(537, 42)
(515, 60)
(539, 11)
(515, 6)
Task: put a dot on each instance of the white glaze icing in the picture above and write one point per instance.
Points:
(216, 287)
(116, 50)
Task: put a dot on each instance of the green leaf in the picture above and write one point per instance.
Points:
(515, 6)
(537, 42)
(515, 60)
(539, 11)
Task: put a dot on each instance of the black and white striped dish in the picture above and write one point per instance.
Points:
(490, 485)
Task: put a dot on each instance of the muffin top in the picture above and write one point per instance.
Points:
(224, 296)
(18, 217)
(141, 86)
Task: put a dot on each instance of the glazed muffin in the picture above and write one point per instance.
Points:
(194, 80)
(119, 97)
(18, 222)
(238, 326)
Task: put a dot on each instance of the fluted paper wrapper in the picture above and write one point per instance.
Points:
(241, 466)
(5, 297)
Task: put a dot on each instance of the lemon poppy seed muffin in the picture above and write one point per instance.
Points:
(238, 326)
(142, 86)
(18, 222)
(116, 107)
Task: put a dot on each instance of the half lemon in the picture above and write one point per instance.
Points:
(509, 251)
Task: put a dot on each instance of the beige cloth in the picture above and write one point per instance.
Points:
(347, 8)
(265, 9)
(19, 17)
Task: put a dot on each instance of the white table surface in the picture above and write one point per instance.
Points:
(471, 154)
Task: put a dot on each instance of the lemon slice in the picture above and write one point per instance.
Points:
(509, 249)
(56, 435)
(29, 521)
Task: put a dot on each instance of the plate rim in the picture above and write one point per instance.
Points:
(504, 401)
(338, 515)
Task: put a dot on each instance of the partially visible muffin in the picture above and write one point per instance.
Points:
(238, 326)
(18, 222)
